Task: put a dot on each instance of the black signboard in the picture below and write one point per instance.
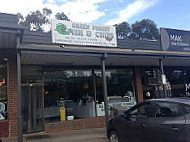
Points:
(175, 40)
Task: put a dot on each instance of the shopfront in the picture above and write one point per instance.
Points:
(81, 90)
(53, 87)
(80, 85)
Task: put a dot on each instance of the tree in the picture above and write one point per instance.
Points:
(146, 29)
(34, 21)
(123, 30)
(20, 18)
(62, 16)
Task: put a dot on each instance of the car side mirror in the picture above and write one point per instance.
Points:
(125, 115)
(129, 117)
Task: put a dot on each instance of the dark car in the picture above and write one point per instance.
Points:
(158, 120)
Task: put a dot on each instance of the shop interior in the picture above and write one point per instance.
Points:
(80, 90)
(177, 82)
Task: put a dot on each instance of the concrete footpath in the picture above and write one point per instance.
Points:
(86, 135)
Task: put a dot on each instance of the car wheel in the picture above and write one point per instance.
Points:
(114, 137)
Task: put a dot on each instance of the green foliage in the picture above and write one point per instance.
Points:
(62, 16)
(35, 20)
(47, 12)
(144, 30)
(123, 30)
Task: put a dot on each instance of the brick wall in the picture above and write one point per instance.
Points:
(12, 94)
(96, 122)
(138, 84)
(4, 128)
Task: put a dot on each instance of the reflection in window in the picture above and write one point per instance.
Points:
(142, 111)
(175, 77)
(74, 90)
(178, 82)
(168, 110)
(152, 84)
(187, 109)
(31, 74)
(120, 87)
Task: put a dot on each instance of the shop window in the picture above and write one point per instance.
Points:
(186, 80)
(70, 94)
(152, 84)
(175, 77)
(3, 91)
(178, 82)
(31, 74)
(120, 87)
(151, 81)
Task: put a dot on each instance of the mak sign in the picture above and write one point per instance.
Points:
(74, 33)
(175, 40)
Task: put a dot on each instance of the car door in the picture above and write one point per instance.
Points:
(133, 128)
(167, 123)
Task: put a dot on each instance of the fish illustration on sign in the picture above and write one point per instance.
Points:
(62, 29)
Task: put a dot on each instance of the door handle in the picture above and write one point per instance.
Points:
(174, 129)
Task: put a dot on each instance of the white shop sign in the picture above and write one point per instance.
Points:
(74, 33)
(101, 109)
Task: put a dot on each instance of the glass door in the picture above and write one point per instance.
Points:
(32, 108)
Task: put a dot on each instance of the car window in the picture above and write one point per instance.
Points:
(187, 109)
(142, 111)
(167, 109)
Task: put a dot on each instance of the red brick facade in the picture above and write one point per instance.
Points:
(9, 128)
(12, 94)
(138, 82)
(4, 128)
(96, 122)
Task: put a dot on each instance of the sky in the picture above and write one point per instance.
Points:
(165, 13)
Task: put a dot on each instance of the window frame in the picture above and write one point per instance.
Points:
(6, 101)
(185, 111)
(138, 106)
(176, 103)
